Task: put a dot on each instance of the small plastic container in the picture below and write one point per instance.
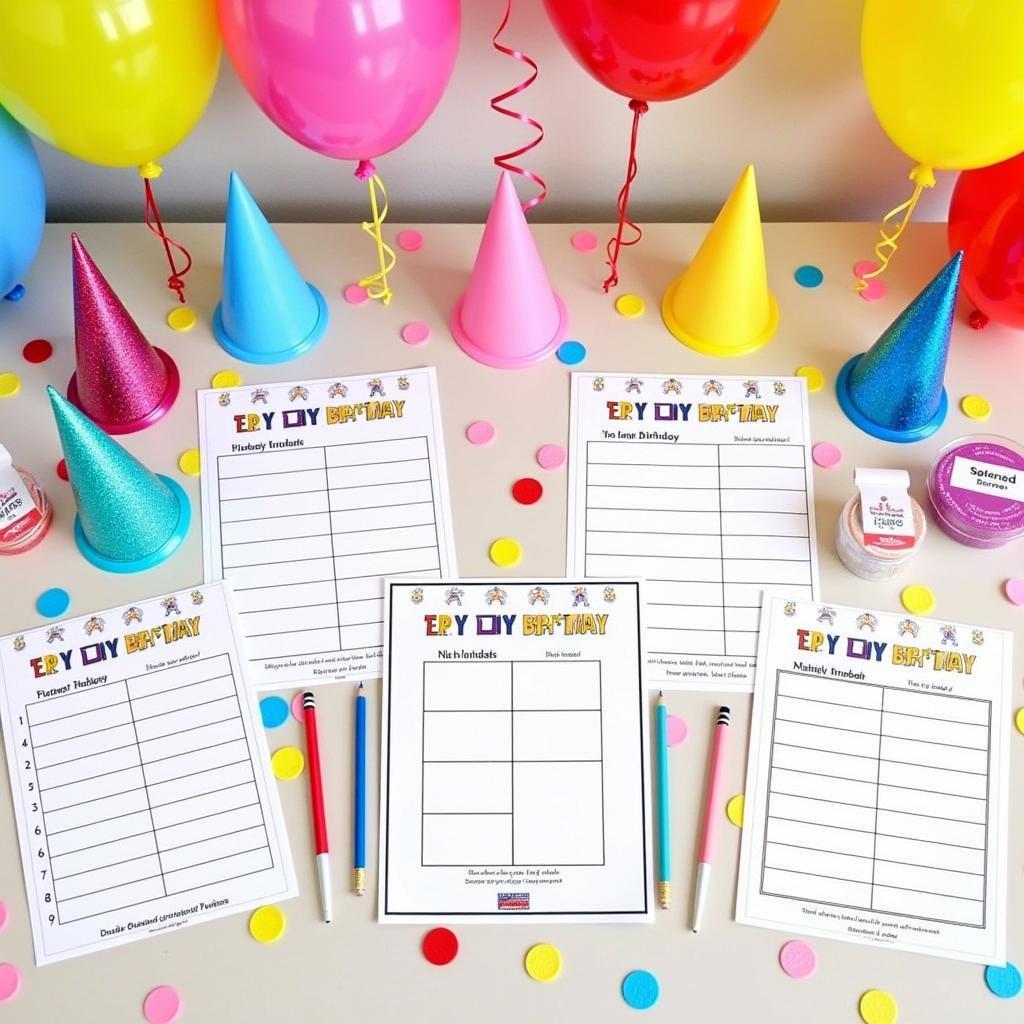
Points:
(976, 490)
(871, 561)
(25, 511)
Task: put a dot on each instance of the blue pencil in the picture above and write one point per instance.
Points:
(664, 818)
(359, 853)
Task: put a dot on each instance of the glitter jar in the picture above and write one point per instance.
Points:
(976, 490)
(25, 511)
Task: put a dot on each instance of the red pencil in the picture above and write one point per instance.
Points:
(316, 795)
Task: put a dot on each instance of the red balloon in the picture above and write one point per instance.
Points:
(659, 49)
(986, 220)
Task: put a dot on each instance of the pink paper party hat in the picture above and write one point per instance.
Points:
(121, 382)
(509, 316)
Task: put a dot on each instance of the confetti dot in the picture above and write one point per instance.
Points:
(826, 454)
(1019, 720)
(267, 924)
(630, 306)
(797, 959)
(814, 377)
(917, 599)
(10, 385)
(3, 915)
(571, 353)
(543, 962)
(480, 432)
(734, 810)
(287, 763)
(409, 240)
(415, 333)
(53, 602)
(676, 729)
(225, 379)
(440, 946)
(640, 990)
(356, 295)
(62, 469)
(298, 711)
(584, 241)
(162, 1005)
(550, 456)
(274, 711)
(182, 318)
(10, 982)
(1003, 981)
(527, 491)
(976, 407)
(506, 552)
(877, 1007)
(37, 351)
(862, 267)
(188, 462)
(808, 276)
(874, 291)
(1014, 590)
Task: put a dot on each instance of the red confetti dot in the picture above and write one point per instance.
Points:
(440, 946)
(527, 491)
(37, 351)
(62, 469)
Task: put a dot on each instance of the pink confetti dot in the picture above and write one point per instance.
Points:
(584, 241)
(298, 711)
(874, 291)
(826, 454)
(480, 432)
(862, 267)
(1014, 590)
(3, 915)
(10, 982)
(797, 959)
(356, 295)
(550, 456)
(676, 729)
(162, 1005)
(415, 333)
(409, 240)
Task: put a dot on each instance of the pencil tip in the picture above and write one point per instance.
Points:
(360, 686)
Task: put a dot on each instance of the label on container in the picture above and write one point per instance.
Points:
(886, 510)
(18, 512)
(987, 478)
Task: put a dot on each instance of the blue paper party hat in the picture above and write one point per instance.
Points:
(894, 390)
(268, 313)
(129, 519)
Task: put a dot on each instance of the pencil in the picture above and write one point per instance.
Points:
(359, 852)
(316, 796)
(711, 813)
(664, 818)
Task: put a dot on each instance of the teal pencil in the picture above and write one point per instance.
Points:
(664, 818)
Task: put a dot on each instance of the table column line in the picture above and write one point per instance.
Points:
(334, 563)
(878, 779)
(721, 548)
(512, 760)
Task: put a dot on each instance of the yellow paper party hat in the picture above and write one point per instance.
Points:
(720, 305)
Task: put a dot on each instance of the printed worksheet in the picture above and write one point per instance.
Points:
(514, 781)
(877, 781)
(313, 492)
(702, 487)
(139, 773)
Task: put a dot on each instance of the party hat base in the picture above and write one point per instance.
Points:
(481, 355)
(858, 418)
(278, 355)
(147, 561)
(716, 348)
(151, 417)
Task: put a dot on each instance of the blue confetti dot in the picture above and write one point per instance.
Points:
(571, 353)
(54, 602)
(1003, 981)
(274, 711)
(640, 990)
(808, 276)
(16, 294)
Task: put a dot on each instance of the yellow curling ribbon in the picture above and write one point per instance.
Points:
(923, 177)
(376, 285)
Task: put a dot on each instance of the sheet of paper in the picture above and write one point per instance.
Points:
(876, 782)
(140, 775)
(701, 486)
(515, 778)
(313, 492)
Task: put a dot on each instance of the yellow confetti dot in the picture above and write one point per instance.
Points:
(814, 377)
(506, 552)
(878, 1007)
(188, 463)
(734, 810)
(630, 305)
(917, 599)
(543, 962)
(182, 318)
(1020, 720)
(267, 924)
(976, 406)
(287, 763)
(10, 385)
(225, 379)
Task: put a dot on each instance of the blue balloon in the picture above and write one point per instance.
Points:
(22, 203)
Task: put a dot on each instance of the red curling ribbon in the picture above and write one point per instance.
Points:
(175, 280)
(639, 108)
(504, 160)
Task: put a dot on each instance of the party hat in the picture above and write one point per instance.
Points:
(894, 390)
(720, 305)
(120, 381)
(508, 316)
(129, 519)
(268, 313)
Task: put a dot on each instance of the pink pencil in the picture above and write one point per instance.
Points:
(711, 815)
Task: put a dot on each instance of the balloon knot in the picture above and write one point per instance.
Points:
(977, 320)
(150, 170)
(923, 176)
(365, 170)
(638, 106)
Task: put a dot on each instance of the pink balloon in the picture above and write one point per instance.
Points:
(351, 79)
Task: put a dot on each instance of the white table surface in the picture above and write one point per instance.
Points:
(355, 967)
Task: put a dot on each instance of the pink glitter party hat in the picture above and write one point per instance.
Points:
(121, 382)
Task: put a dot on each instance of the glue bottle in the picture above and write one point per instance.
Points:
(25, 511)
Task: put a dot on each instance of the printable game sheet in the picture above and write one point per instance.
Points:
(514, 753)
(702, 486)
(313, 492)
(876, 783)
(140, 775)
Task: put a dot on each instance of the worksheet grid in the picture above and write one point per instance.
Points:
(878, 799)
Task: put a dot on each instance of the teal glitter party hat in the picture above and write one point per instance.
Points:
(129, 519)
(894, 390)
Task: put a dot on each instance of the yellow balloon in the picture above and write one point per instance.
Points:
(946, 78)
(114, 82)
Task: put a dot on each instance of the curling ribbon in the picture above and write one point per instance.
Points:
(175, 280)
(639, 108)
(503, 160)
(923, 177)
(376, 284)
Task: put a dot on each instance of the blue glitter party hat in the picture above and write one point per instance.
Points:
(129, 519)
(268, 314)
(894, 390)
